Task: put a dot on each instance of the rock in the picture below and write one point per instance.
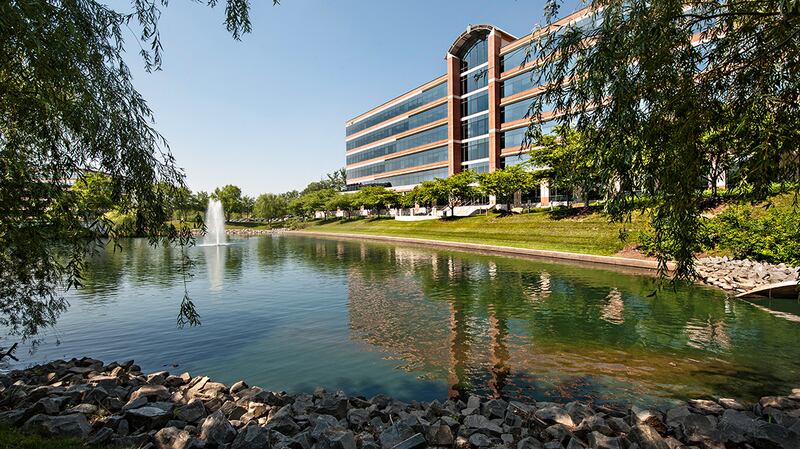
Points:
(618, 425)
(102, 437)
(147, 417)
(48, 406)
(529, 443)
(251, 437)
(495, 408)
(323, 423)
(553, 445)
(238, 386)
(732, 404)
(440, 435)
(140, 440)
(705, 406)
(86, 409)
(593, 423)
(151, 392)
(415, 442)
(140, 401)
(574, 443)
(773, 436)
(108, 383)
(192, 412)
(479, 440)
(599, 441)
(217, 430)
(736, 427)
(395, 434)
(474, 402)
(779, 402)
(358, 417)
(174, 438)
(649, 417)
(337, 439)
(157, 378)
(697, 428)
(553, 415)
(647, 437)
(74, 425)
(482, 424)
(333, 405)
(558, 432)
(520, 409)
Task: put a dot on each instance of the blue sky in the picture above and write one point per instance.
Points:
(267, 113)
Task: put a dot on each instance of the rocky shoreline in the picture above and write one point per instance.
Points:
(116, 405)
(739, 276)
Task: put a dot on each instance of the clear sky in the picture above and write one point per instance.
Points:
(267, 113)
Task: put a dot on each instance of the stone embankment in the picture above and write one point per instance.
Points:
(117, 405)
(245, 232)
(740, 276)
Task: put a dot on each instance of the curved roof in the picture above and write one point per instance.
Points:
(470, 34)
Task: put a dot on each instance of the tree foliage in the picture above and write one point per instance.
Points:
(566, 162)
(504, 183)
(68, 108)
(456, 189)
(270, 206)
(231, 198)
(643, 97)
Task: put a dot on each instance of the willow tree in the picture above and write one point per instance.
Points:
(68, 107)
(645, 82)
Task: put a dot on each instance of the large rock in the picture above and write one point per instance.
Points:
(395, 434)
(773, 436)
(554, 415)
(251, 437)
(736, 427)
(147, 417)
(647, 437)
(599, 441)
(192, 412)
(151, 392)
(482, 424)
(217, 430)
(74, 425)
(334, 438)
(705, 406)
(440, 435)
(174, 438)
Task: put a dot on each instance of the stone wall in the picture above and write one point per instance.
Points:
(739, 276)
(116, 405)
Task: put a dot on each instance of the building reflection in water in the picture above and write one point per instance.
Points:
(614, 308)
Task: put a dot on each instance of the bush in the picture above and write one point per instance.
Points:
(772, 236)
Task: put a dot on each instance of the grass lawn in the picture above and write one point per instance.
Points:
(589, 233)
(14, 439)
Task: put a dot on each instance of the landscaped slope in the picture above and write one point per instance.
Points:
(589, 233)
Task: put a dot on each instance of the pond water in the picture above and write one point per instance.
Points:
(293, 313)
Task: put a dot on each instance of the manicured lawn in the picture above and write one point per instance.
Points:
(587, 233)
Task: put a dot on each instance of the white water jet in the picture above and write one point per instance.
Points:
(215, 224)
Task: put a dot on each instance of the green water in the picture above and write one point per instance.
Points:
(293, 313)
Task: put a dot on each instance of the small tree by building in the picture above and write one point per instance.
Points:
(503, 183)
(341, 201)
(457, 189)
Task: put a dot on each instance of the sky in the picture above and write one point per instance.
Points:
(267, 113)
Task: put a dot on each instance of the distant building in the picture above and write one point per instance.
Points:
(472, 117)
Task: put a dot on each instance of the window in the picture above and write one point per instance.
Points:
(517, 84)
(412, 160)
(474, 104)
(412, 178)
(427, 96)
(514, 59)
(513, 138)
(480, 167)
(515, 159)
(474, 80)
(477, 149)
(476, 126)
(515, 111)
(423, 118)
(406, 143)
(476, 52)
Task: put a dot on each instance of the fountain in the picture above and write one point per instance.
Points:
(215, 224)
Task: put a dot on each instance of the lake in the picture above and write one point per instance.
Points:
(292, 313)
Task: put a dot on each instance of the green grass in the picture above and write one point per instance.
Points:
(14, 439)
(589, 233)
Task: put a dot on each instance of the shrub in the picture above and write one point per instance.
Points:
(772, 236)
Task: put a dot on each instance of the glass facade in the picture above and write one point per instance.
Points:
(427, 96)
(406, 143)
(477, 149)
(515, 159)
(513, 138)
(423, 118)
(476, 126)
(514, 59)
(474, 104)
(479, 167)
(412, 160)
(518, 83)
(475, 52)
(474, 80)
(412, 178)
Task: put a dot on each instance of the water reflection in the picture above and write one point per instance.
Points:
(422, 324)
